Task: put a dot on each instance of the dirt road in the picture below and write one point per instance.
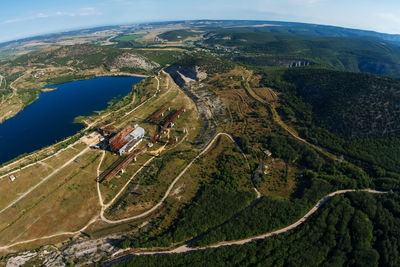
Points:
(185, 248)
(279, 121)
(44, 180)
(166, 193)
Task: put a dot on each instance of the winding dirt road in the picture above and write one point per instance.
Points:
(185, 248)
(168, 190)
(283, 125)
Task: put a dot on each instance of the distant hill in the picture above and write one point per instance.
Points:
(276, 46)
(178, 35)
(86, 56)
(294, 28)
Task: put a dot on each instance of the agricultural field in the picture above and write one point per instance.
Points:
(130, 37)
(252, 153)
(54, 185)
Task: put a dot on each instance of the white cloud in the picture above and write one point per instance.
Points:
(85, 11)
(66, 14)
(88, 11)
(305, 2)
(390, 17)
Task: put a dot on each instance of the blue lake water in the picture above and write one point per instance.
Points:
(50, 118)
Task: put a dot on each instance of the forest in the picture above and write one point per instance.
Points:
(275, 45)
(356, 229)
(353, 115)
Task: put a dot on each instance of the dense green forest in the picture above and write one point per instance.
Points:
(337, 88)
(222, 195)
(357, 229)
(348, 104)
(351, 114)
(178, 35)
(335, 110)
(278, 46)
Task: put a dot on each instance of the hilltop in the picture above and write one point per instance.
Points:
(283, 132)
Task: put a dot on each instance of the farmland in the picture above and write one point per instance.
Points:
(251, 166)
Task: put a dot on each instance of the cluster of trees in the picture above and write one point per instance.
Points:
(216, 201)
(266, 215)
(351, 105)
(370, 152)
(263, 47)
(357, 229)
(342, 112)
(160, 56)
(178, 35)
(207, 63)
(291, 150)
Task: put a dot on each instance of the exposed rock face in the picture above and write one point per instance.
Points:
(130, 60)
(209, 105)
(88, 251)
(20, 259)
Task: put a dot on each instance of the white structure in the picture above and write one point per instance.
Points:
(12, 178)
(134, 138)
(268, 153)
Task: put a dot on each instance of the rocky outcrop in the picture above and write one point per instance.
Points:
(135, 61)
(209, 105)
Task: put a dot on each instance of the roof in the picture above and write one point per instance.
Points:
(137, 133)
(119, 140)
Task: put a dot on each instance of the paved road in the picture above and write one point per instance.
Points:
(185, 248)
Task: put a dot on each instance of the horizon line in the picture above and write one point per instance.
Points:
(69, 30)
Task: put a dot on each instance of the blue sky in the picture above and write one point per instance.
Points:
(23, 18)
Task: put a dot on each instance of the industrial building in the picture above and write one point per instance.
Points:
(159, 113)
(127, 139)
(169, 123)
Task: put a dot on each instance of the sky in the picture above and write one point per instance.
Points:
(25, 18)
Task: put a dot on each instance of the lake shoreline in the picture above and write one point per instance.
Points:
(86, 77)
(35, 127)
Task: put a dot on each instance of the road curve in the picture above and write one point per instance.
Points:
(169, 188)
(185, 248)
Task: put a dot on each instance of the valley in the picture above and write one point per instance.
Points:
(234, 142)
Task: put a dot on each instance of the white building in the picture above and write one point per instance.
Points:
(134, 139)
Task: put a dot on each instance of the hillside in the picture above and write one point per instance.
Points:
(85, 57)
(26, 75)
(250, 129)
(349, 104)
(178, 35)
(351, 230)
(266, 47)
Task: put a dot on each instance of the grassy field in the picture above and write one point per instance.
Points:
(179, 35)
(30, 176)
(151, 191)
(66, 202)
(130, 37)
(280, 178)
(114, 186)
(161, 56)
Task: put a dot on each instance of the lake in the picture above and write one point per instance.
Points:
(50, 118)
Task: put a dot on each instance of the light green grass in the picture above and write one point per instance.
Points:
(127, 38)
